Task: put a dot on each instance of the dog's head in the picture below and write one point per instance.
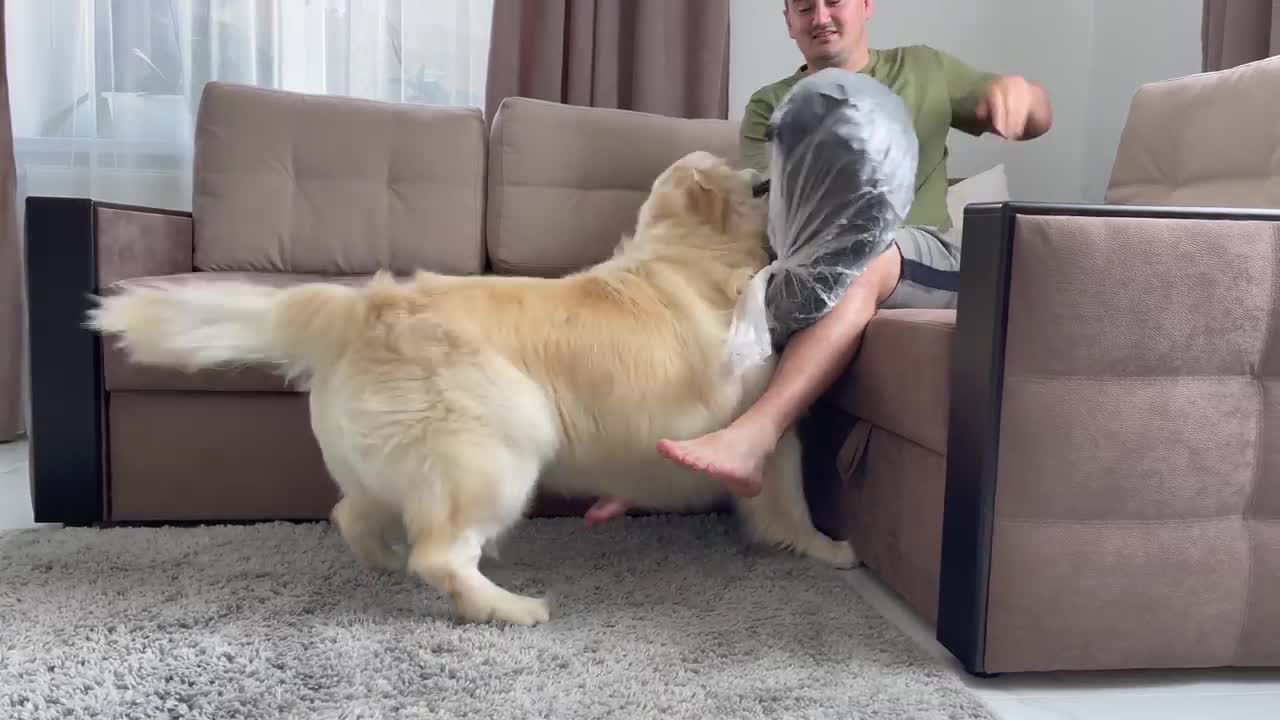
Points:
(702, 191)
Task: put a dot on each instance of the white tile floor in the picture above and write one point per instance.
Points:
(15, 488)
(1217, 695)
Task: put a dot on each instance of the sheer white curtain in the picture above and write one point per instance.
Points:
(105, 92)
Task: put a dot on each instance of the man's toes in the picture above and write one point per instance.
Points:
(686, 454)
(673, 451)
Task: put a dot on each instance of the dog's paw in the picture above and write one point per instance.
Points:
(381, 560)
(526, 611)
(395, 559)
(506, 608)
(838, 554)
(490, 549)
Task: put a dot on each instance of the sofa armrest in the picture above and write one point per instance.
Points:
(75, 247)
(132, 242)
(1105, 491)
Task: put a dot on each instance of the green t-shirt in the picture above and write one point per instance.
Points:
(941, 91)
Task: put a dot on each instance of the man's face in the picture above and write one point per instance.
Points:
(828, 32)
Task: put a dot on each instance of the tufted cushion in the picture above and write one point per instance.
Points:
(1204, 140)
(290, 182)
(566, 182)
(1137, 510)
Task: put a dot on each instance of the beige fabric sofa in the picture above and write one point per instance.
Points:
(1079, 469)
(290, 187)
(1074, 470)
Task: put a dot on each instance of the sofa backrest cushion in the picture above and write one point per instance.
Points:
(300, 183)
(1205, 140)
(566, 182)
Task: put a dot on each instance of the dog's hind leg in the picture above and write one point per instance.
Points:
(779, 515)
(370, 531)
(463, 504)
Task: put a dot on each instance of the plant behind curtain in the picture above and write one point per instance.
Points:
(105, 92)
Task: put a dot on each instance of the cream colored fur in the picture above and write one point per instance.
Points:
(441, 402)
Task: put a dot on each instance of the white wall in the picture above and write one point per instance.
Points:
(1168, 46)
(1077, 50)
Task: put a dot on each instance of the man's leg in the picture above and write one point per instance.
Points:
(920, 270)
(811, 362)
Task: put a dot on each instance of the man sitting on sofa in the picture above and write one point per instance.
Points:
(919, 270)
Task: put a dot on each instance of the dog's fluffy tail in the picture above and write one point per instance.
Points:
(218, 324)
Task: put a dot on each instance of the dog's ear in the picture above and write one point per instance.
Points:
(702, 197)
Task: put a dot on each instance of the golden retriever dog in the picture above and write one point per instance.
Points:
(441, 403)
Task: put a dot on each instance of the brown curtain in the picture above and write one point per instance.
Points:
(668, 57)
(12, 335)
(1235, 32)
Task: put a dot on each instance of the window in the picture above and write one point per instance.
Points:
(105, 92)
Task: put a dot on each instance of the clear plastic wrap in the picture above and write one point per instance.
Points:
(842, 174)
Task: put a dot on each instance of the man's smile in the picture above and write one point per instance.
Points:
(825, 36)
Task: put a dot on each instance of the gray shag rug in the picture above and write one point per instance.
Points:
(655, 618)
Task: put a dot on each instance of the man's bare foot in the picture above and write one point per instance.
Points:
(735, 456)
(605, 510)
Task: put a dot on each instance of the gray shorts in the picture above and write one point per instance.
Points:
(929, 279)
(930, 276)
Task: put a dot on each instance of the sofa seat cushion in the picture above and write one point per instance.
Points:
(121, 375)
(900, 379)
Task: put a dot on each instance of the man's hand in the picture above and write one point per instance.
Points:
(1016, 109)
